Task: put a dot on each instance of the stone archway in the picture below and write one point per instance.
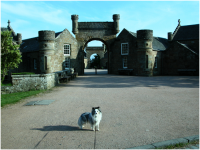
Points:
(88, 31)
(100, 50)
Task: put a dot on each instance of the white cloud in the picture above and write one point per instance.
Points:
(38, 11)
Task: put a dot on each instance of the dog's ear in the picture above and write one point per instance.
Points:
(99, 109)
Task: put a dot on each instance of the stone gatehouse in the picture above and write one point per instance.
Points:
(138, 53)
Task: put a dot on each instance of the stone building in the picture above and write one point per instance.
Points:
(143, 54)
(49, 52)
(131, 53)
(17, 38)
(136, 53)
(182, 55)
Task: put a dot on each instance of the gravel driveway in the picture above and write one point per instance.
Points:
(136, 111)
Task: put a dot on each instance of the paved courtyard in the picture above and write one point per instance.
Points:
(136, 111)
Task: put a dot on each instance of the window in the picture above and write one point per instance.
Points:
(124, 48)
(67, 62)
(147, 61)
(66, 49)
(35, 63)
(156, 62)
(125, 63)
(45, 62)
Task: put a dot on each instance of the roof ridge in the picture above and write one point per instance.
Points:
(184, 45)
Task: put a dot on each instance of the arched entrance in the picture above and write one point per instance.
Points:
(91, 51)
(88, 31)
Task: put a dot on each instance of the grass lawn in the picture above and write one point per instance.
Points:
(23, 73)
(16, 97)
(6, 84)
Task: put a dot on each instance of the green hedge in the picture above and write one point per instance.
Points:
(23, 73)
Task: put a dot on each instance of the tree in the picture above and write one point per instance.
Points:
(10, 54)
(95, 62)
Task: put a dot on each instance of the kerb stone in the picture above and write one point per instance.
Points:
(192, 138)
(143, 147)
(165, 143)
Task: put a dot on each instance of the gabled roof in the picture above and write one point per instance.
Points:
(188, 48)
(32, 44)
(4, 29)
(190, 32)
(159, 44)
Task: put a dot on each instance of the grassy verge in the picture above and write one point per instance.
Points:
(6, 84)
(23, 73)
(180, 145)
(16, 97)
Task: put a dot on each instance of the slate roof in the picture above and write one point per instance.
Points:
(159, 44)
(32, 44)
(4, 29)
(186, 46)
(12, 34)
(190, 32)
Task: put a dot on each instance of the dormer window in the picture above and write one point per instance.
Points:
(124, 48)
(66, 49)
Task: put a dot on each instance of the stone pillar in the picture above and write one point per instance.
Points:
(116, 18)
(170, 36)
(74, 24)
(19, 38)
(145, 57)
(46, 50)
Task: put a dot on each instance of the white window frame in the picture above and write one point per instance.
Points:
(67, 62)
(123, 47)
(66, 50)
(125, 62)
(156, 62)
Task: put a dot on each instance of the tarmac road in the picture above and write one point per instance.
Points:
(136, 111)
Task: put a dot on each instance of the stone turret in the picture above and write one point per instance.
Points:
(46, 49)
(116, 18)
(74, 24)
(144, 52)
(170, 36)
(19, 38)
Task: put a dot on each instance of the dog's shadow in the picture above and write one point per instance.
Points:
(60, 128)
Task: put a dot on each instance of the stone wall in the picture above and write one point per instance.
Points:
(117, 58)
(23, 83)
(177, 57)
(65, 38)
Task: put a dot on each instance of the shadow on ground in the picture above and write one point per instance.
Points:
(121, 81)
(60, 128)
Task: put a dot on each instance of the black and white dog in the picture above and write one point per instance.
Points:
(93, 118)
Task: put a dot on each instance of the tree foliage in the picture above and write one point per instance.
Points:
(95, 63)
(10, 54)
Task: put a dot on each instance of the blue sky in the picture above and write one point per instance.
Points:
(29, 17)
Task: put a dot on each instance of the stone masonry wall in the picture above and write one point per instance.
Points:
(117, 58)
(177, 57)
(33, 82)
(65, 38)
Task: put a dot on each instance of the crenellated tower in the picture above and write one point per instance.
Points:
(116, 18)
(46, 49)
(145, 57)
(74, 24)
